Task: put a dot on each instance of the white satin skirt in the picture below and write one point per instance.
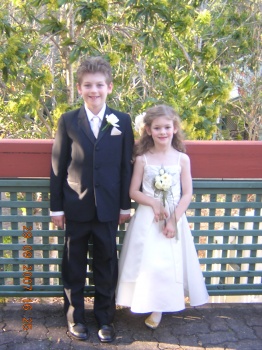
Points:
(157, 273)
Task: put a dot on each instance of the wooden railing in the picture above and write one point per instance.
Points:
(209, 159)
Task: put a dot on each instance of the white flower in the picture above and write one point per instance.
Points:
(165, 186)
(158, 185)
(157, 178)
(139, 122)
(163, 183)
(111, 120)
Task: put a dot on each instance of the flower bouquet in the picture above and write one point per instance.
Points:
(163, 183)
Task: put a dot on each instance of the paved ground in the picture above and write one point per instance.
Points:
(213, 326)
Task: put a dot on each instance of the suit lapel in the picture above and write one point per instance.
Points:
(85, 125)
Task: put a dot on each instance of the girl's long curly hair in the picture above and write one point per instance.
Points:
(145, 142)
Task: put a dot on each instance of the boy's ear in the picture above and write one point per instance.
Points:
(78, 89)
(110, 87)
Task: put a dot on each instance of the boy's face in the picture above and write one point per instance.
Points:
(94, 90)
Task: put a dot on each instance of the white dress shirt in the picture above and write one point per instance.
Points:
(91, 115)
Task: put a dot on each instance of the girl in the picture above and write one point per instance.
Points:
(158, 266)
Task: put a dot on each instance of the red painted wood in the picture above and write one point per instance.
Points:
(209, 159)
(25, 158)
(225, 159)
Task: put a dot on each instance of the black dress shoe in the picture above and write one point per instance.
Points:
(106, 333)
(78, 331)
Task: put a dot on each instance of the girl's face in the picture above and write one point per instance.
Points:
(162, 130)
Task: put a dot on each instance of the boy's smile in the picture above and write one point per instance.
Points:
(94, 90)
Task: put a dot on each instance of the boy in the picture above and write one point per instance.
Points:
(89, 185)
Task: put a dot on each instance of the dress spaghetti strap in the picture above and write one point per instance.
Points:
(145, 158)
(179, 156)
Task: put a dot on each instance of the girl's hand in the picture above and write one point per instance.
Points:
(159, 210)
(169, 229)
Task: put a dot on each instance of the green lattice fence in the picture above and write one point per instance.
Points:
(225, 218)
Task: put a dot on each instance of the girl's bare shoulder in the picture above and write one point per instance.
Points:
(140, 160)
(184, 158)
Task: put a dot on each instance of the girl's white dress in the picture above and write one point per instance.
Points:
(156, 273)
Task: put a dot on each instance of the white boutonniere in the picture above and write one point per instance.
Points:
(111, 120)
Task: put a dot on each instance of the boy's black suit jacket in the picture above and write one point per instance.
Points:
(86, 170)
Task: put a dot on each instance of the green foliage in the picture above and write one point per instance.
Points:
(161, 51)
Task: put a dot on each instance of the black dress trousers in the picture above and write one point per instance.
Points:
(105, 269)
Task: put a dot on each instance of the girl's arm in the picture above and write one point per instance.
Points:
(140, 197)
(187, 190)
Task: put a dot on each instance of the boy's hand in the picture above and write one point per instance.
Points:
(59, 221)
(123, 218)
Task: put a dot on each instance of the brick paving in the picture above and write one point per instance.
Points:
(229, 326)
